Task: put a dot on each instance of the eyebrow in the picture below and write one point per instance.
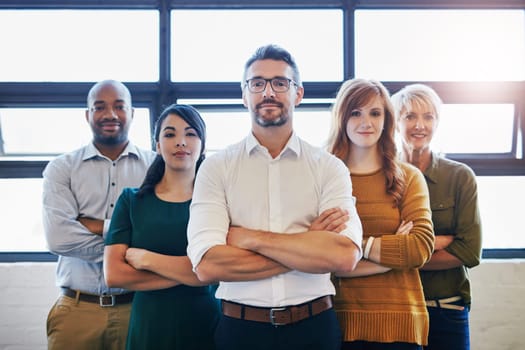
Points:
(97, 102)
(275, 77)
(173, 128)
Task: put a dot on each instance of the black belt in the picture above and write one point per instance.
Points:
(102, 300)
(277, 316)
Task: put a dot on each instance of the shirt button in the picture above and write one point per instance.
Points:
(112, 184)
(111, 205)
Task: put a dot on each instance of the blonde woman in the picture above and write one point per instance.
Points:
(455, 214)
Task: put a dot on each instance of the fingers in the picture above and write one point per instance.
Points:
(333, 219)
(405, 227)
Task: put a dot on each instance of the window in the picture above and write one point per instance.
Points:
(501, 210)
(213, 45)
(21, 215)
(440, 45)
(465, 129)
(471, 52)
(80, 45)
(52, 131)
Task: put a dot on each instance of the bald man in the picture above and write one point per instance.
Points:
(79, 193)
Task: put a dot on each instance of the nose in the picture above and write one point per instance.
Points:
(111, 113)
(419, 124)
(366, 122)
(268, 90)
(181, 141)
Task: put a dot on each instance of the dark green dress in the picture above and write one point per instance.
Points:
(180, 317)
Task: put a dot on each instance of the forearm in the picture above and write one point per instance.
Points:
(176, 268)
(95, 226)
(118, 273)
(64, 234)
(311, 252)
(72, 239)
(232, 264)
(442, 260)
(365, 268)
(125, 276)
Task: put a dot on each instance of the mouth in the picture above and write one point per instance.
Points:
(418, 136)
(269, 104)
(110, 126)
(181, 154)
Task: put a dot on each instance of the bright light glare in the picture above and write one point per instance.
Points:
(34, 131)
(465, 128)
(213, 45)
(79, 45)
(441, 45)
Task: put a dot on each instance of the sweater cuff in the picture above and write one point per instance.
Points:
(393, 250)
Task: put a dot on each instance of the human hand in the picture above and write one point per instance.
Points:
(442, 241)
(404, 228)
(137, 258)
(241, 237)
(333, 219)
(95, 226)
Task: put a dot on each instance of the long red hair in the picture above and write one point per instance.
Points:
(357, 93)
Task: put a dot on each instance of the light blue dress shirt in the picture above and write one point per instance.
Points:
(86, 183)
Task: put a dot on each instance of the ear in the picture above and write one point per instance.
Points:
(87, 115)
(244, 102)
(299, 95)
(158, 147)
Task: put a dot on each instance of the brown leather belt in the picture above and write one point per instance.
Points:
(277, 316)
(102, 300)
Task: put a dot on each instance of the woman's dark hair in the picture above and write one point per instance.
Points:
(156, 169)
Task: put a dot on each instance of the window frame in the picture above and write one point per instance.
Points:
(155, 95)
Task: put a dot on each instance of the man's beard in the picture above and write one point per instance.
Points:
(110, 140)
(265, 123)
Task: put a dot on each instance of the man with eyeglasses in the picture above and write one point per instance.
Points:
(79, 193)
(270, 218)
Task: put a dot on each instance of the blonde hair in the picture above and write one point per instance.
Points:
(357, 93)
(418, 95)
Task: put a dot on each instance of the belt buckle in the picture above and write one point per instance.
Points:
(272, 316)
(107, 300)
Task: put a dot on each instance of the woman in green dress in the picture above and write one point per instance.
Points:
(146, 243)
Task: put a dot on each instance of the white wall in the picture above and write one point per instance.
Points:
(497, 319)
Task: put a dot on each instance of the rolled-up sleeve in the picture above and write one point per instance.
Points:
(65, 235)
(337, 193)
(467, 242)
(209, 219)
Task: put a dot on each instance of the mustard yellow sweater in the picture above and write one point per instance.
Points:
(389, 307)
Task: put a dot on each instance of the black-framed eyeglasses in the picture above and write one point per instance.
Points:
(257, 85)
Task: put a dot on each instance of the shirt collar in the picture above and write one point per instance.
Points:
(293, 144)
(432, 171)
(92, 151)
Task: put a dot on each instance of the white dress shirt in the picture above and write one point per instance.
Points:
(244, 186)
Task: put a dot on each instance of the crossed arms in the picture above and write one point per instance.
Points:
(255, 254)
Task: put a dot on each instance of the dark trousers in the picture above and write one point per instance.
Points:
(449, 329)
(366, 345)
(319, 332)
